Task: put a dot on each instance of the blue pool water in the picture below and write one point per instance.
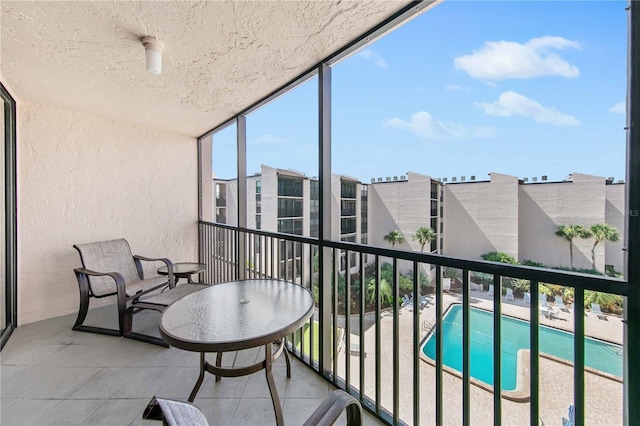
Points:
(515, 336)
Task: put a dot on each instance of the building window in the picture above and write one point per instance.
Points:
(348, 225)
(290, 226)
(314, 208)
(434, 191)
(221, 194)
(221, 215)
(289, 207)
(289, 187)
(258, 222)
(258, 187)
(348, 208)
(347, 189)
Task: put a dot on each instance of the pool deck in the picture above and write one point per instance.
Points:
(603, 395)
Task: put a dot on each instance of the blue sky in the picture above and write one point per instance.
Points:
(467, 88)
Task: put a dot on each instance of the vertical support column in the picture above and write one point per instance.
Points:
(205, 190)
(324, 168)
(242, 194)
(632, 260)
(205, 180)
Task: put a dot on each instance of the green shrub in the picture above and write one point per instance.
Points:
(529, 262)
(498, 256)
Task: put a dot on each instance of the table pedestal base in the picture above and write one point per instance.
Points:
(267, 364)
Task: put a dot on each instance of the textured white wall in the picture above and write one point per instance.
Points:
(545, 206)
(481, 217)
(403, 205)
(614, 215)
(84, 178)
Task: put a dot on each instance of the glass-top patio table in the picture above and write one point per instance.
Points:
(234, 316)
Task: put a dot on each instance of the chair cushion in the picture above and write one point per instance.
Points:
(174, 413)
(136, 286)
(108, 256)
(169, 296)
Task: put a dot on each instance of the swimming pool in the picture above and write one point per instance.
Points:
(599, 355)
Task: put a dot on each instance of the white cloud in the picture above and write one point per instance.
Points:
(619, 108)
(502, 60)
(512, 103)
(423, 125)
(374, 57)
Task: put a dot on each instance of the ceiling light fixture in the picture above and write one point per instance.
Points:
(153, 49)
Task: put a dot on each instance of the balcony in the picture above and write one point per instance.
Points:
(107, 151)
(53, 375)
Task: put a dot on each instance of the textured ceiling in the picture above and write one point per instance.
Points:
(220, 56)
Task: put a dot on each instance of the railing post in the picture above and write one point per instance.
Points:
(632, 311)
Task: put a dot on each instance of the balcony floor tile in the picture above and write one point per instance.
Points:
(54, 375)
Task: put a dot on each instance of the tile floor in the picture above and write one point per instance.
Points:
(52, 375)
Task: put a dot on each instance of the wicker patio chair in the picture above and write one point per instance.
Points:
(109, 268)
(178, 413)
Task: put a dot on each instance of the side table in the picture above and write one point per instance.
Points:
(183, 270)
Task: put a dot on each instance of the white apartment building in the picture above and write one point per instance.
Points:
(470, 217)
(406, 204)
(521, 217)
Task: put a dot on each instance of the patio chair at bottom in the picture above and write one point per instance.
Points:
(178, 413)
(108, 269)
(560, 304)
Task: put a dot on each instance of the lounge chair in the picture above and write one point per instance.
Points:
(407, 300)
(509, 295)
(109, 269)
(595, 308)
(446, 284)
(560, 304)
(546, 309)
(178, 413)
(424, 301)
(526, 299)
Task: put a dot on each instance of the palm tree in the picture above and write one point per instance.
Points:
(569, 232)
(394, 237)
(600, 232)
(424, 235)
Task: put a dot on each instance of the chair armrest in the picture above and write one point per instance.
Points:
(332, 407)
(166, 261)
(117, 277)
